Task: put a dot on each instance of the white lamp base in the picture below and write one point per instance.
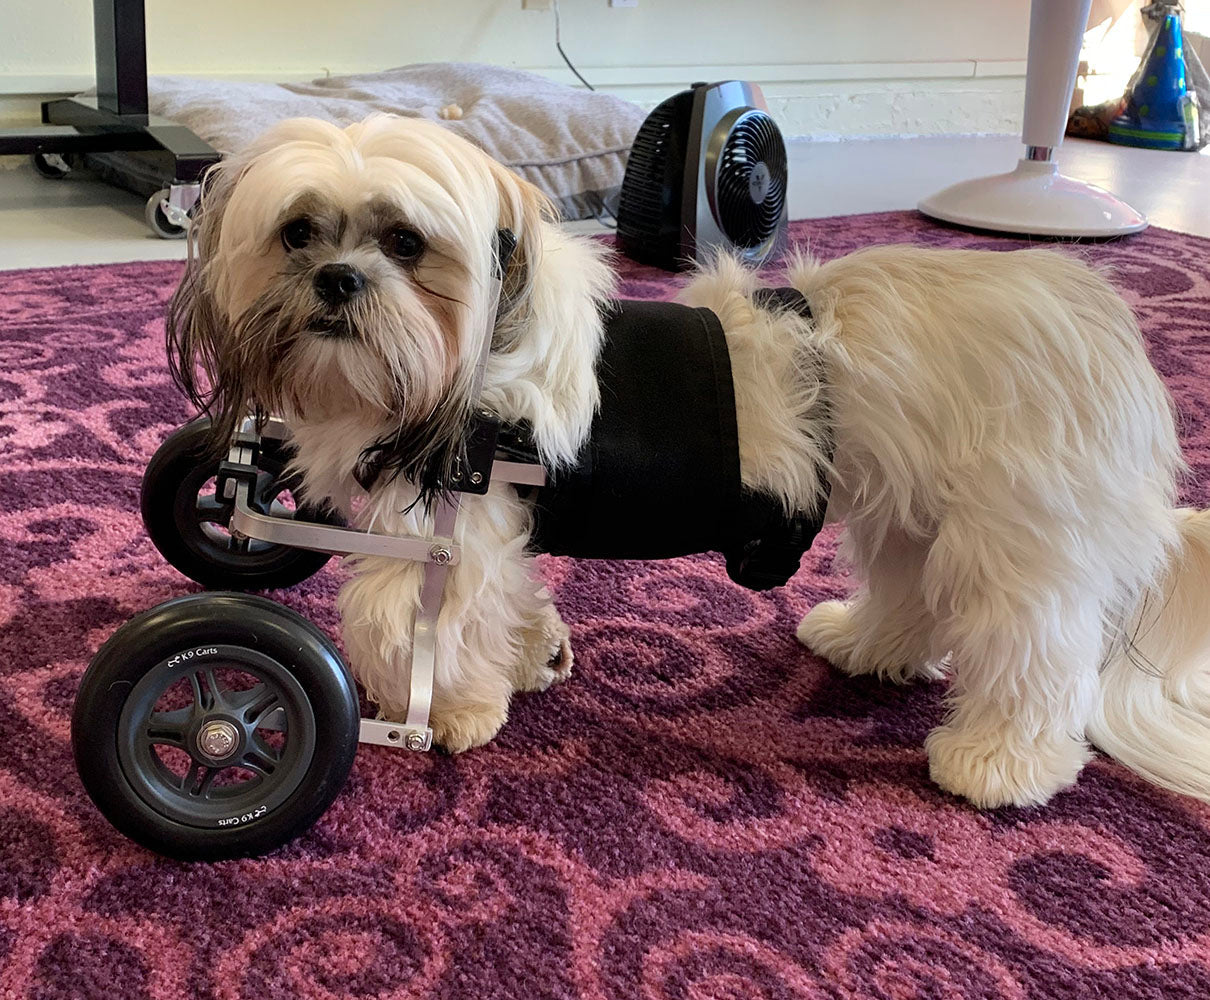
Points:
(1035, 199)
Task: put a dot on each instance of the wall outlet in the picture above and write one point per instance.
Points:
(535, 4)
(623, 3)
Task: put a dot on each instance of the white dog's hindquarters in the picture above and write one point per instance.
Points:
(1006, 461)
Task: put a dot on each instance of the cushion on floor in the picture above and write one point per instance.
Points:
(571, 143)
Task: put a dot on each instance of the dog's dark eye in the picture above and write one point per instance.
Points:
(297, 234)
(403, 243)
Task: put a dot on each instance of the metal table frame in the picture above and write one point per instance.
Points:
(116, 121)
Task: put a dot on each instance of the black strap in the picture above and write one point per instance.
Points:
(660, 474)
(772, 543)
(783, 298)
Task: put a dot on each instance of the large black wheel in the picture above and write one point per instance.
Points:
(215, 726)
(188, 523)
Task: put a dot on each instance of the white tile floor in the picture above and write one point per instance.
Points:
(80, 221)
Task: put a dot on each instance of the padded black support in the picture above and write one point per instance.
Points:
(659, 476)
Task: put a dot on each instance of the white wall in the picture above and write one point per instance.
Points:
(828, 67)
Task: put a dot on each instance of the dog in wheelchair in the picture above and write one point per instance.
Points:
(986, 425)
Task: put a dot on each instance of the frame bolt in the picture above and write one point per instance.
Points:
(440, 555)
(476, 478)
(415, 741)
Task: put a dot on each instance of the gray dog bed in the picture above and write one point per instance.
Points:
(571, 143)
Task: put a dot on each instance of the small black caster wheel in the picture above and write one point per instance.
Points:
(215, 726)
(159, 222)
(188, 523)
(50, 165)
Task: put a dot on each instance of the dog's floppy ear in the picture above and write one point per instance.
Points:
(197, 327)
(550, 315)
(526, 212)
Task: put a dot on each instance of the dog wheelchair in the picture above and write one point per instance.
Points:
(223, 724)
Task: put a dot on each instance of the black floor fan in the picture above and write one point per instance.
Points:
(707, 173)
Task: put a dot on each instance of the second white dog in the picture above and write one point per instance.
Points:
(1005, 456)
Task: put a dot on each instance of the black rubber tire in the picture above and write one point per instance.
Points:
(174, 476)
(266, 631)
(47, 169)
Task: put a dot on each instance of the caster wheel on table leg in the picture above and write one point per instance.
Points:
(215, 726)
(188, 524)
(158, 219)
(50, 165)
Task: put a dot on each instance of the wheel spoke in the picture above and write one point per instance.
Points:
(256, 704)
(238, 701)
(266, 486)
(202, 699)
(168, 728)
(210, 511)
(217, 699)
(197, 782)
(260, 757)
(279, 509)
(260, 706)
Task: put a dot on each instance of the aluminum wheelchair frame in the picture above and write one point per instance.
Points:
(437, 553)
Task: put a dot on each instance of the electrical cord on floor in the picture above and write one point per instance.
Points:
(559, 46)
(602, 212)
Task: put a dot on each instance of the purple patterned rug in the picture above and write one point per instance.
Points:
(704, 812)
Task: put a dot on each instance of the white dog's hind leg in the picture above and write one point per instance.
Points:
(886, 628)
(1025, 656)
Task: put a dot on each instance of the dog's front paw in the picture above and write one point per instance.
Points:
(994, 770)
(461, 727)
(560, 663)
(546, 655)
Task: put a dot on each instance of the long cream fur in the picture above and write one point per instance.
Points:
(1005, 457)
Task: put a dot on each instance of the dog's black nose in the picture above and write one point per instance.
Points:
(338, 283)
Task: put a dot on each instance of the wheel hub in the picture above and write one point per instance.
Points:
(218, 739)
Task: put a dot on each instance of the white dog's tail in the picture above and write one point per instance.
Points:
(1154, 714)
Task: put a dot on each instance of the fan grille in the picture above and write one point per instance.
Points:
(641, 207)
(649, 208)
(751, 181)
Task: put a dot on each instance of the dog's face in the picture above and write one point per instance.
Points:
(349, 272)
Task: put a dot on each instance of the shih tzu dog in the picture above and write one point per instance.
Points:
(1005, 459)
